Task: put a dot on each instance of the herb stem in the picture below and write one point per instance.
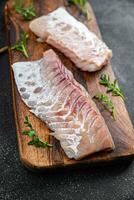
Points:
(3, 49)
(24, 51)
(86, 12)
(114, 114)
(82, 4)
(21, 45)
(108, 103)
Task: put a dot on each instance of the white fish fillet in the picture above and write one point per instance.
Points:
(53, 95)
(72, 38)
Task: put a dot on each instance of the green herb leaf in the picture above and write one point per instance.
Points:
(27, 12)
(21, 45)
(27, 123)
(111, 87)
(30, 133)
(108, 103)
(78, 2)
(36, 141)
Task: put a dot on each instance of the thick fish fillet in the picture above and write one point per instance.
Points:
(73, 38)
(53, 95)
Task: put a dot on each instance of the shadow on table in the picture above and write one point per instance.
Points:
(111, 168)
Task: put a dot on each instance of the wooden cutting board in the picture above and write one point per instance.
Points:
(121, 129)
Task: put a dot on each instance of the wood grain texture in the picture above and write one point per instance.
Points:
(121, 129)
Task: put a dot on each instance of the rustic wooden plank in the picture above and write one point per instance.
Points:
(121, 129)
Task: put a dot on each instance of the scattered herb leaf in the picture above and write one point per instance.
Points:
(112, 87)
(83, 6)
(108, 103)
(30, 133)
(81, 3)
(27, 12)
(27, 123)
(21, 45)
(36, 141)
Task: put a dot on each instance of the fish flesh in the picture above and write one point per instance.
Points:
(73, 38)
(49, 89)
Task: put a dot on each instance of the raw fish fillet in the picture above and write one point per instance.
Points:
(53, 95)
(72, 38)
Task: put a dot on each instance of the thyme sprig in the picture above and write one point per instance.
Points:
(83, 6)
(111, 86)
(107, 102)
(36, 141)
(21, 45)
(26, 12)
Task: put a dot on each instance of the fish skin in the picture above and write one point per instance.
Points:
(49, 89)
(73, 39)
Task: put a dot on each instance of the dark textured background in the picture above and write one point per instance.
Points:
(116, 21)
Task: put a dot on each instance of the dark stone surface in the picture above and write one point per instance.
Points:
(116, 20)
